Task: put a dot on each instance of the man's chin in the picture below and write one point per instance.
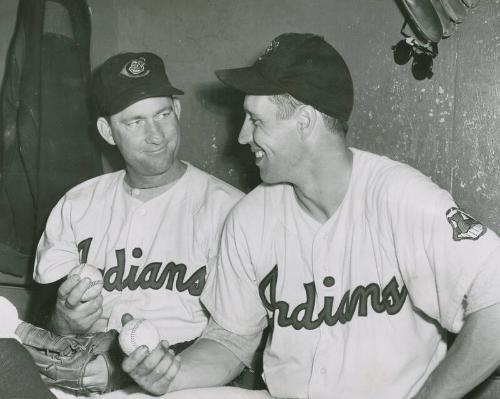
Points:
(153, 171)
(270, 179)
(160, 167)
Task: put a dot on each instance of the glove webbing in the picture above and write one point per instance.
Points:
(43, 339)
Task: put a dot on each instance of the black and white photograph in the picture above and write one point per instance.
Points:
(250, 199)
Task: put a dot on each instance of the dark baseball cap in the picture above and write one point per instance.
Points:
(303, 65)
(127, 78)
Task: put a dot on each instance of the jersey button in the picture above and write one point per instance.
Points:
(142, 212)
(323, 370)
(136, 191)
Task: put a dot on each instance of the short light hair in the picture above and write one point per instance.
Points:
(287, 104)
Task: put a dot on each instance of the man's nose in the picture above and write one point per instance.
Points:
(245, 136)
(153, 133)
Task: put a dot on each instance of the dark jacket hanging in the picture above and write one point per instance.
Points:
(47, 141)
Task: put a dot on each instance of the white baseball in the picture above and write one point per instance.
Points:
(138, 332)
(86, 270)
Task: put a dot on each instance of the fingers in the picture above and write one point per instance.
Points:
(74, 297)
(149, 366)
(161, 385)
(153, 371)
(172, 369)
(72, 290)
(126, 317)
(82, 309)
(72, 316)
(78, 318)
(131, 362)
(90, 311)
(136, 362)
(83, 316)
(67, 285)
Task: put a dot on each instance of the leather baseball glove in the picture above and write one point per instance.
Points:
(62, 360)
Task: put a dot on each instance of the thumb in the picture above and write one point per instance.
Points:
(126, 317)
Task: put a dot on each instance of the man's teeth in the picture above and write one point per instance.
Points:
(259, 154)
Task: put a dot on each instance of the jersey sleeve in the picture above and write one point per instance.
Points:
(242, 346)
(484, 289)
(211, 205)
(441, 250)
(223, 201)
(231, 294)
(57, 252)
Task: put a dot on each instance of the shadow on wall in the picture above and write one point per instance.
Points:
(227, 104)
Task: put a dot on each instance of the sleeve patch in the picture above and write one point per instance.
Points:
(464, 226)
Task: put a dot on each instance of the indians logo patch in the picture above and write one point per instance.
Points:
(464, 226)
(135, 68)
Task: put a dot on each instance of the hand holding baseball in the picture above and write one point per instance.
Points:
(88, 271)
(153, 370)
(136, 333)
(74, 315)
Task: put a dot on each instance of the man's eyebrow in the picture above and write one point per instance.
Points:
(165, 108)
(132, 117)
(139, 116)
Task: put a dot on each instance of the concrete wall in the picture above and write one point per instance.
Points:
(447, 126)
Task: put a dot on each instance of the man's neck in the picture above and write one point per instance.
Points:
(322, 190)
(175, 172)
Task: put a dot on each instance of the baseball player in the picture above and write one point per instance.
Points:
(153, 228)
(359, 264)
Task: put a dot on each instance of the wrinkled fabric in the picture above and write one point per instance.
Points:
(46, 143)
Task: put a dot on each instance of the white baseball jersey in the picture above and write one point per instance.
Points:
(154, 255)
(357, 304)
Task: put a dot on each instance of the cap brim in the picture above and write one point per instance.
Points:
(249, 81)
(165, 90)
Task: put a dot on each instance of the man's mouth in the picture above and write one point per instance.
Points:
(155, 150)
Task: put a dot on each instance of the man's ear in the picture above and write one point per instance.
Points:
(177, 107)
(306, 121)
(105, 130)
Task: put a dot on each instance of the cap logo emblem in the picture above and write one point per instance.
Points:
(273, 46)
(135, 68)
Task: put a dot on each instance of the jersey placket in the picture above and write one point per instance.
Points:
(137, 228)
(323, 370)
